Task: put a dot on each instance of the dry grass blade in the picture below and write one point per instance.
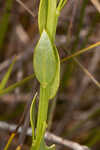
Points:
(18, 147)
(81, 51)
(26, 8)
(9, 141)
(83, 68)
(87, 73)
(96, 3)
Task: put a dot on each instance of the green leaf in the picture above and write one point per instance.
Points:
(55, 84)
(44, 62)
(32, 116)
(42, 16)
(7, 75)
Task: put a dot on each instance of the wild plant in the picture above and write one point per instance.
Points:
(46, 64)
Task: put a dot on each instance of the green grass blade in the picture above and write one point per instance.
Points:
(18, 84)
(7, 75)
(5, 21)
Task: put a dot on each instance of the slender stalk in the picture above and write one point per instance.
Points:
(26, 8)
(79, 52)
(9, 141)
(43, 109)
(52, 18)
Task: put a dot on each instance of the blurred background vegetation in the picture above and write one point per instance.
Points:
(75, 112)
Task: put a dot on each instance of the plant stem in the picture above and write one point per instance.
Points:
(52, 19)
(43, 109)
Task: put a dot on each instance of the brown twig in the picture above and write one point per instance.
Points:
(96, 4)
(48, 136)
(26, 8)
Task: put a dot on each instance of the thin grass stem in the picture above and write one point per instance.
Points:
(18, 84)
(80, 52)
(9, 141)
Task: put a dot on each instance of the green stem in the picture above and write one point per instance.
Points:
(52, 19)
(43, 110)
